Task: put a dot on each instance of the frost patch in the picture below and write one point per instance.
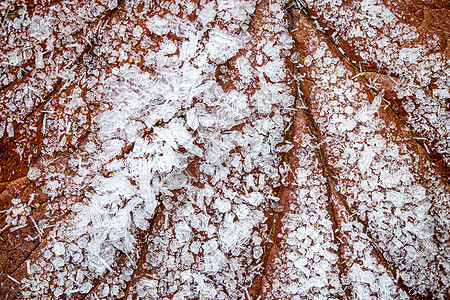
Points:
(410, 55)
(222, 45)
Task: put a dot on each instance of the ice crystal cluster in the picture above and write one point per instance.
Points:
(166, 135)
(226, 149)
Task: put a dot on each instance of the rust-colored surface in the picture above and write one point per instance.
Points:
(224, 149)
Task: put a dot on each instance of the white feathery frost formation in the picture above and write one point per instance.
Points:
(380, 37)
(180, 167)
(176, 114)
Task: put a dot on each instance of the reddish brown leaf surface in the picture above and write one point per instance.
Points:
(224, 149)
